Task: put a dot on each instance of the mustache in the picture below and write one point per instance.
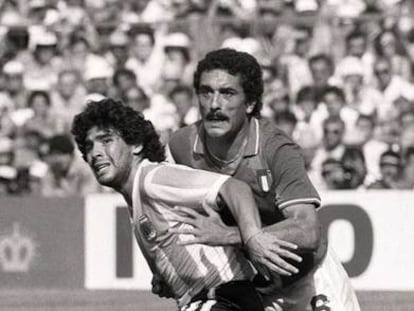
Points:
(216, 116)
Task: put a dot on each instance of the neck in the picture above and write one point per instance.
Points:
(229, 147)
(126, 190)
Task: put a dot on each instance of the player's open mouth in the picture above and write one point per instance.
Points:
(100, 166)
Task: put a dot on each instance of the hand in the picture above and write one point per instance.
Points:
(207, 229)
(160, 288)
(265, 249)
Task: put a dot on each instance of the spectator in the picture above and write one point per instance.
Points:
(322, 70)
(178, 53)
(67, 174)
(286, 121)
(354, 163)
(356, 46)
(122, 80)
(117, 54)
(136, 98)
(15, 88)
(42, 65)
(182, 97)
(147, 57)
(69, 95)
(332, 147)
(391, 87)
(8, 173)
(295, 65)
(333, 105)
(372, 148)
(391, 168)
(359, 94)
(335, 175)
(43, 121)
(408, 170)
(389, 45)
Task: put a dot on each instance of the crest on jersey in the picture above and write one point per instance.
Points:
(264, 178)
(147, 228)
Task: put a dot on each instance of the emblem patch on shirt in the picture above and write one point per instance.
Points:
(264, 178)
(147, 228)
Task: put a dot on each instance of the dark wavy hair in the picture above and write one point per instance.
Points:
(235, 63)
(129, 124)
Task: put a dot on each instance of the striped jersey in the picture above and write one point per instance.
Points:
(157, 189)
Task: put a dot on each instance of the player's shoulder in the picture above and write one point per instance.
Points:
(184, 135)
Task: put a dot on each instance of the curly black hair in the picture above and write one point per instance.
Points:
(128, 123)
(235, 63)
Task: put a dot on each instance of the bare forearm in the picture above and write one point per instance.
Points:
(239, 199)
(300, 228)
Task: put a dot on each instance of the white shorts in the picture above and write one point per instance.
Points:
(327, 288)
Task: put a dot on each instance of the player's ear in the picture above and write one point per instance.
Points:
(137, 150)
(250, 107)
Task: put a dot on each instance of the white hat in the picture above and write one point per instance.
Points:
(13, 68)
(177, 39)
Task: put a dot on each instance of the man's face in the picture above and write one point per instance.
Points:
(334, 104)
(109, 157)
(383, 73)
(320, 72)
(67, 84)
(59, 162)
(223, 105)
(357, 46)
(142, 46)
(332, 135)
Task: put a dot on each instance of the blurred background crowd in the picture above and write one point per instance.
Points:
(338, 79)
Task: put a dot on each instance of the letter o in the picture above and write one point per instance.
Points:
(364, 234)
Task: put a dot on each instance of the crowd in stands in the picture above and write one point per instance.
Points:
(338, 79)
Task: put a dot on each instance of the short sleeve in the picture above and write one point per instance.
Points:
(291, 179)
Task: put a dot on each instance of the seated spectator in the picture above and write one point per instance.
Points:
(146, 57)
(68, 97)
(295, 65)
(355, 167)
(388, 44)
(177, 49)
(43, 64)
(333, 105)
(391, 168)
(67, 174)
(359, 95)
(308, 125)
(8, 173)
(286, 121)
(275, 98)
(122, 81)
(322, 69)
(136, 98)
(335, 175)
(332, 147)
(182, 98)
(356, 47)
(372, 148)
(15, 89)
(43, 121)
(391, 88)
(118, 53)
(408, 170)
